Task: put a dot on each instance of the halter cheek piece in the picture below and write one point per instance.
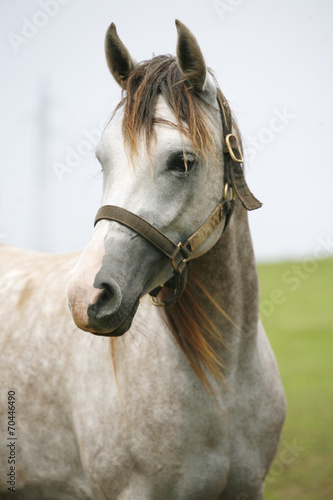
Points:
(180, 254)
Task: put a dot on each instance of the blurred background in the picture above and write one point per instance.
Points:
(273, 61)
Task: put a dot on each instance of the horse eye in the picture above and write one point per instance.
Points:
(182, 164)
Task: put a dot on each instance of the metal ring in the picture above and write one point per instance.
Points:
(156, 303)
(226, 192)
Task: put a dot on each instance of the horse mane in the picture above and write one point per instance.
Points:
(192, 329)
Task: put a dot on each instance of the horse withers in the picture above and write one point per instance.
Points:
(180, 401)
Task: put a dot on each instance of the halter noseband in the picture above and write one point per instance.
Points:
(180, 253)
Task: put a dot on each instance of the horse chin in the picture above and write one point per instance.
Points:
(102, 330)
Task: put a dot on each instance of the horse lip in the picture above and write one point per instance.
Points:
(122, 328)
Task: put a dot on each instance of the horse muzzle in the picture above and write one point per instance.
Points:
(111, 276)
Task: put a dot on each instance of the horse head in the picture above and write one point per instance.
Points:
(162, 161)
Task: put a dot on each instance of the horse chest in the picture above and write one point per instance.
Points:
(161, 436)
(158, 436)
(155, 451)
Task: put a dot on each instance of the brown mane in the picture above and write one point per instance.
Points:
(192, 329)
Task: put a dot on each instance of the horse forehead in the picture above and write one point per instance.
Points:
(111, 146)
(163, 111)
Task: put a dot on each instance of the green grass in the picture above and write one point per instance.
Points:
(297, 312)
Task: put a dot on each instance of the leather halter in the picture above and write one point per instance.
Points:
(180, 253)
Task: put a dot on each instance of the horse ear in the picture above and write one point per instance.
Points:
(117, 56)
(192, 63)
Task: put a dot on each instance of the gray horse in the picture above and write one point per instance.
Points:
(177, 402)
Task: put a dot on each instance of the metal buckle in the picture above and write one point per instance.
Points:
(229, 148)
(173, 262)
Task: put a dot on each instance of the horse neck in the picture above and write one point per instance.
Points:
(228, 273)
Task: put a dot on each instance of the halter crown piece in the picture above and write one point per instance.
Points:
(179, 254)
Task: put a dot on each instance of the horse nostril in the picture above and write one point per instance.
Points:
(109, 299)
(106, 295)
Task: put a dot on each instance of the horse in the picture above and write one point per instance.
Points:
(158, 381)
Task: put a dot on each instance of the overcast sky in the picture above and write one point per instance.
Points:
(273, 61)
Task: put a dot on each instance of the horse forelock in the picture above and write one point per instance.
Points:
(162, 77)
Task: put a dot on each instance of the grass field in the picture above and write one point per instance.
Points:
(297, 312)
